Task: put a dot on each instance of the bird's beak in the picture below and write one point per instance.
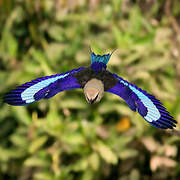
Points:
(92, 95)
(91, 101)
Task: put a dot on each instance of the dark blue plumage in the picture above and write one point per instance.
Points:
(150, 108)
(44, 87)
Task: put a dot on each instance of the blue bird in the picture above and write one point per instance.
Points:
(94, 80)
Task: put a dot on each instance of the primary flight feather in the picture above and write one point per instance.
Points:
(94, 80)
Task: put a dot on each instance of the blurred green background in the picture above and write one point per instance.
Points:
(64, 137)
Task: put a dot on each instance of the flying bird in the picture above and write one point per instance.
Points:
(94, 80)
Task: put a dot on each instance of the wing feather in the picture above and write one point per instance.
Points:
(44, 87)
(150, 108)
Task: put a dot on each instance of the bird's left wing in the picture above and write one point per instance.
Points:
(44, 87)
(150, 108)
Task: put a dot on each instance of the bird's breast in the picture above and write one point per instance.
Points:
(94, 90)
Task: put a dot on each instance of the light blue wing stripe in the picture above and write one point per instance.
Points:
(30, 100)
(28, 94)
(152, 112)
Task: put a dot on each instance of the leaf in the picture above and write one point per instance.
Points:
(74, 103)
(6, 154)
(105, 152)
(94, 161)
(108, 107)
(135, 21)
(42, 59)
(160, 162)
(22, 115)
(37, 143)
(80, 165)
(74, 138)
(56, 32)
(151, 144)
(88, 175)
(12, 45)
(45, 175)
(170, 151)
(36, 162)
(123, 40)
(134, 175)
(153, 64)
(19, 140)
(127, 153)
(54, 52)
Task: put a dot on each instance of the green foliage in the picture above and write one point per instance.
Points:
(64, 137)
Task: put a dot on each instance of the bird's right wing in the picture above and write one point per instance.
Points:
(150, 108)
(44, 87)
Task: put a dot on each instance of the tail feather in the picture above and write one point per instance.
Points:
(101, 59)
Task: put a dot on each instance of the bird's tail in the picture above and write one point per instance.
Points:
(100, 58)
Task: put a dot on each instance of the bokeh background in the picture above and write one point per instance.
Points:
(64, 137)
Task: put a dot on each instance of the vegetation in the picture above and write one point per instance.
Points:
(64, 137)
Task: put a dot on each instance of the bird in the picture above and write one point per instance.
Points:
(95, 80)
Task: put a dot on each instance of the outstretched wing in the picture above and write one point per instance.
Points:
(150, 108)
(44, 87)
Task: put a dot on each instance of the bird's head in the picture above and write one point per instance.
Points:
(93, 90)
